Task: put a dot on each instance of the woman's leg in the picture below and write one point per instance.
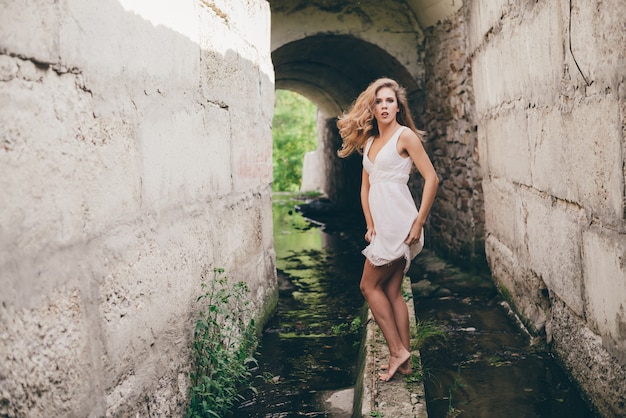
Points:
(393, 290)
(372, 286)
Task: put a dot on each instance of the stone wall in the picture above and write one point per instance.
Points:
(135, 147)
(551, 111)
(456, 224)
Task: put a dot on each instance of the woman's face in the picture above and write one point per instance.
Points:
(386, 106)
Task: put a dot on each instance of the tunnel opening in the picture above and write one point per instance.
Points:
(331, 71)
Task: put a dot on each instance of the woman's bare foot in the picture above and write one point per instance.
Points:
(404, 369)
(394, 364)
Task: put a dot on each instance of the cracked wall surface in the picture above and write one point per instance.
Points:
(135, 147)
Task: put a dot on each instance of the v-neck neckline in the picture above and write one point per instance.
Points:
(381, 148)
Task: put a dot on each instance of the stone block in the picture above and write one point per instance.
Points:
(111, 45)
(30, 29)
(81, 174)
(508, 151)
(553, 237)
(593, 367)
(147, 310)
(513, 66)
(484, 16)
(148, 295)
(249, 20)
(252, 158)
(502, 212)
(604, 266)
(597, 41)
(502, 263)
(46, 359)
(186, 155)
(519, 285)
(234, 77)
(576, 157)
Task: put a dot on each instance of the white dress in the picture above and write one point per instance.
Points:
(391, 205)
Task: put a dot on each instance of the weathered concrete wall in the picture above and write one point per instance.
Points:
(553, 152)
(135, 149)
(456, 224)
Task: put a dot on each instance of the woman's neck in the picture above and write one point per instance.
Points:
(385, 131)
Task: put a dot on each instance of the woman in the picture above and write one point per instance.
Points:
(379, 126)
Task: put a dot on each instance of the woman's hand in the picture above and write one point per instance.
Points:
(414, 234)
(369, 235)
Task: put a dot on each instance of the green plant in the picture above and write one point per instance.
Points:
(376, 414)
(294, 133)
(427, 330)
(344, 328)
(224, 340)
(340, 329)
(420, 332)
(356, 325)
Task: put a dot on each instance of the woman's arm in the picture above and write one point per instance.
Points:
(365, 193)
(411, 145)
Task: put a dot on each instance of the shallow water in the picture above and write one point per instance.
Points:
(307, 352)
(489, 367)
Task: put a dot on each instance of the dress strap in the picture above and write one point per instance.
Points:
(396, 135)
(368, 144)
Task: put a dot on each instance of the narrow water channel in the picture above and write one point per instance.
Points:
(488, 368)
(308, 351)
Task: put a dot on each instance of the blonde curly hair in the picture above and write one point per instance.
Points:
(358, 124)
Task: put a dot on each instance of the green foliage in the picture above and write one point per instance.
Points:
(344, 328)
(224, 340)
(427, 330)
(420, 332)
(294, 133)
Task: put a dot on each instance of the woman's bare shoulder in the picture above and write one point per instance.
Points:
(408, 138)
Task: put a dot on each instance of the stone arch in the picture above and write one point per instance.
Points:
(331, 70)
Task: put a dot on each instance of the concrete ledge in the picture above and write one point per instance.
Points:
(393, 399)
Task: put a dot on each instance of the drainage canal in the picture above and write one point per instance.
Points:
(309, 349)
(488, 368)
